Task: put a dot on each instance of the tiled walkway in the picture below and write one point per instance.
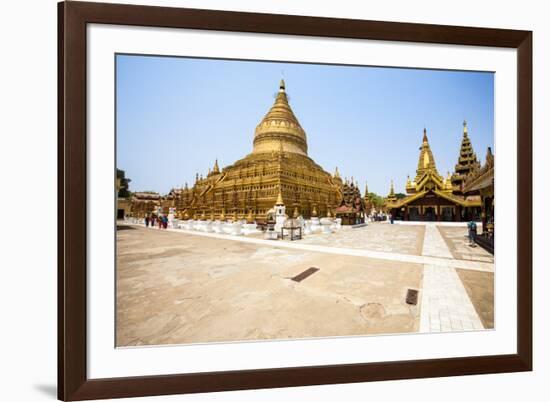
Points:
(434, 244)
(445, 303)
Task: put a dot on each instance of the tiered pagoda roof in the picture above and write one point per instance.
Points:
(483, 177)
(391, 196)
(467, 161)
(427, 176)
(351, 199)
(428, 180)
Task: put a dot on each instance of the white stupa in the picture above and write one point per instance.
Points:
(280, 213)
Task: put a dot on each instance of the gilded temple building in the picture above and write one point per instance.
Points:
(248, 188)
(481, 182)
(432, 197)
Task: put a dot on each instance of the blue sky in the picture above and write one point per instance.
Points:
(175, 116)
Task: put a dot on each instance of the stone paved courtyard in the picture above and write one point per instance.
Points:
(376, 237)
(178, 287)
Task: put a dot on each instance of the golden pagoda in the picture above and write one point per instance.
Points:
(430, 196)
(467, 161)
(278, 165)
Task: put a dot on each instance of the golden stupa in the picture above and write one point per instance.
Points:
(279, 163)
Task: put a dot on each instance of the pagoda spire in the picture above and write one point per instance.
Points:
(426, 161)
(216, 168)
(467, 159)
(336, 173)
(280, 198)
(391, 196)
(366, 188)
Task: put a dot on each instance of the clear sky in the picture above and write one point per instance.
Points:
(175, 116)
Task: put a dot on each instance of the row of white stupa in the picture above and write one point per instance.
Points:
(241, 227)
(238, 228)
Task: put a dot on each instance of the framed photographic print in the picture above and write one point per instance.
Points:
(253, 200)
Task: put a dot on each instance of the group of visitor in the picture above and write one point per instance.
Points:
(153, 220)
(378, 217)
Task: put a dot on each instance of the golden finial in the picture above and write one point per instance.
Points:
(465, 129)
(336, 173)
(216, 168)
(425, 138)
(282, 85)
(279, 198)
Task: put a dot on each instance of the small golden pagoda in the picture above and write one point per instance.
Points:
(278, 163)
(430, 196)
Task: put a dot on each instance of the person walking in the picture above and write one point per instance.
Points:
(160, 222)
(146, 221)
(472, 232)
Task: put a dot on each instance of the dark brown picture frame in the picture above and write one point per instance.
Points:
(73, 382)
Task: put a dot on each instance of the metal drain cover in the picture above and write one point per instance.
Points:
(301, 276)
(412, 297)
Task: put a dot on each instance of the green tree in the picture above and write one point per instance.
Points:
(376, 200)
(123, 191)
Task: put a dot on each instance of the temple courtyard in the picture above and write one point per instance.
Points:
(176, 286)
